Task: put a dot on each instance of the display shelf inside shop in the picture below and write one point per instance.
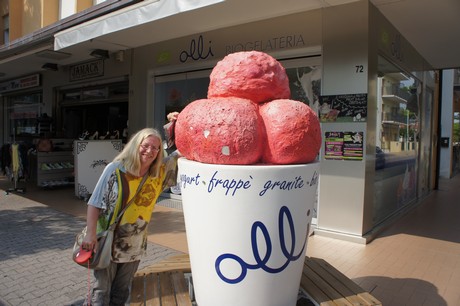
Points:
(55, 169)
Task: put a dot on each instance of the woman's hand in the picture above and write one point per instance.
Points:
(172, 116)
(90, 240)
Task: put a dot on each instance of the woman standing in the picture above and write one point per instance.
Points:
(142, 156)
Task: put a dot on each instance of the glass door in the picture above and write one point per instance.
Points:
(305, 80)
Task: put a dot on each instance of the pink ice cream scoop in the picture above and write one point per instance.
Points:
(220, 131)
(251, 75)
(293, 133)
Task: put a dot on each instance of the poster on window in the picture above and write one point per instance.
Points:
(334, 145)
(343, 145)
(353, 145)
(343, 108)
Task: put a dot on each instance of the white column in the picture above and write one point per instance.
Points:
(447, 104)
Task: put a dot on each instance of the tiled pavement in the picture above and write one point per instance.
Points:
(416, 261)
(35, 248)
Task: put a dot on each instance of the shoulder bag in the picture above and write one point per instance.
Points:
(101, 257)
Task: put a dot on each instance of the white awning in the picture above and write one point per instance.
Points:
(131, 16)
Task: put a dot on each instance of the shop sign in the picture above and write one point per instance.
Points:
(21, 83)
(197, 50)
(23, 115)
(268, 44)
(86, 70)
(394, 44)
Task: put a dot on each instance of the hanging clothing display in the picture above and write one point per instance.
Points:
(15, 159)
(12, 164)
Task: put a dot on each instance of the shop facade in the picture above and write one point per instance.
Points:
(84, 101)
(372, 90)
(375, 96)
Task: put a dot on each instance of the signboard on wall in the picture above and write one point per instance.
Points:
(21, 83)
(86, 70)
(300, 33)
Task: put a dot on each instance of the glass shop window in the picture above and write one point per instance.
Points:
(172, 92)
(23, 113)
(397, 140)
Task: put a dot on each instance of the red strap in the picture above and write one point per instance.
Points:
(89, 286)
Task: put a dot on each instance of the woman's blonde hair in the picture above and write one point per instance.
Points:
(130, 157)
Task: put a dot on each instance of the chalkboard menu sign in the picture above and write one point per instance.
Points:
(343, 108)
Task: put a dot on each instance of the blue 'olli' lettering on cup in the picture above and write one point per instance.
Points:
(261, 263)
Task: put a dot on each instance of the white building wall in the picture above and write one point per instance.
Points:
(67, 8)
(341, 189)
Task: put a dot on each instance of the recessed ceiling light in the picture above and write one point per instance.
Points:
(100, 53)
(50, 66)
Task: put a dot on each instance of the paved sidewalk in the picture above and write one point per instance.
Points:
(415, 261)
(35, 254)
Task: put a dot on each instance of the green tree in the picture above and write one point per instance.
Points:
(456, 133)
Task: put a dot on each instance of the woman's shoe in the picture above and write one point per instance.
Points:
(84, 135)
(116, 135)
(94, 136)
(105, 136)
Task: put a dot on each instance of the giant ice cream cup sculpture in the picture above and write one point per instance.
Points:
(248, 182)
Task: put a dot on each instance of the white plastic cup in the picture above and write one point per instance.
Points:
(247, 230)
